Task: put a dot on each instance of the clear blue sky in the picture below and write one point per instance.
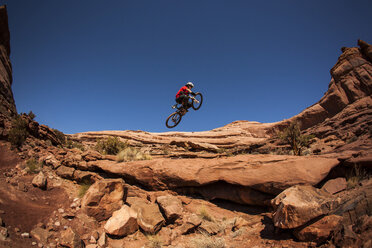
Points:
(89, 65)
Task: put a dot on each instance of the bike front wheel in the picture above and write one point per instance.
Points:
(173, 120)
(199, 97)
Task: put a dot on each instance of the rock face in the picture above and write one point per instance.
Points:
(103, 198)
(7, 104)
(247, 179)
(351, 81)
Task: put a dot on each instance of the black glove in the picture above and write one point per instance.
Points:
(193, 94)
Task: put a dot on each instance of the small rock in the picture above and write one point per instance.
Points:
(2, 211)
(102, 240)
(92, 240)
(71, 239)
(22, 187)
(25, 235)
(3, 233)
(57, 223)
(34, 243)
(40, 180)
(95, 234)
(61, 210)
(17, 230)
(40, 234)
(91, 246)
(40, 245)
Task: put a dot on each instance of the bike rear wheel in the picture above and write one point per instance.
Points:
(173, 120)
(198, 96)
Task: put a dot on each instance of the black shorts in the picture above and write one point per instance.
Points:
(182, 98)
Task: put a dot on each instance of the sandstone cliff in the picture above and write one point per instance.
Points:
(7, 104)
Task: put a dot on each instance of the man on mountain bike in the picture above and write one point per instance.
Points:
(182, 96)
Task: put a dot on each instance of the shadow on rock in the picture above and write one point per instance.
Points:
(273, 233)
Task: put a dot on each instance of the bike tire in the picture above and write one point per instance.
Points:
(197, 106)
(175, 117)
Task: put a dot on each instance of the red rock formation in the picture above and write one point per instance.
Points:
(7, 104)
(351, 81)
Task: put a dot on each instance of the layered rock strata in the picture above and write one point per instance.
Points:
(7, 104)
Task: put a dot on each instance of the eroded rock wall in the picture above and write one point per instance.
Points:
(7, 104)
(351, 81)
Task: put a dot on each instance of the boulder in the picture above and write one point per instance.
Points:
(70, 239)
(40, 234)
(170, 206)
(191, 223)
(334, 186)
(65, 172)
(320, 230)
(122, 223)
(103, 198)
(50, 160)
(40, 180)
(148, 215)
(85, 176)
(299, 204)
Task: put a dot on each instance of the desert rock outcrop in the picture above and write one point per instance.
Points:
(249, 179)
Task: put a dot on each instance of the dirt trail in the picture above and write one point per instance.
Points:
(32, 207)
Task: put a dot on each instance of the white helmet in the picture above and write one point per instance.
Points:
(190, 84)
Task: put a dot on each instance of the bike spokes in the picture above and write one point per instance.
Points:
(197, 102)
(173, 119)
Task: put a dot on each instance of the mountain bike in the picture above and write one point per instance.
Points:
(175, 118)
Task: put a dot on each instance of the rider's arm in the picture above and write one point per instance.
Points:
(191, 93)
